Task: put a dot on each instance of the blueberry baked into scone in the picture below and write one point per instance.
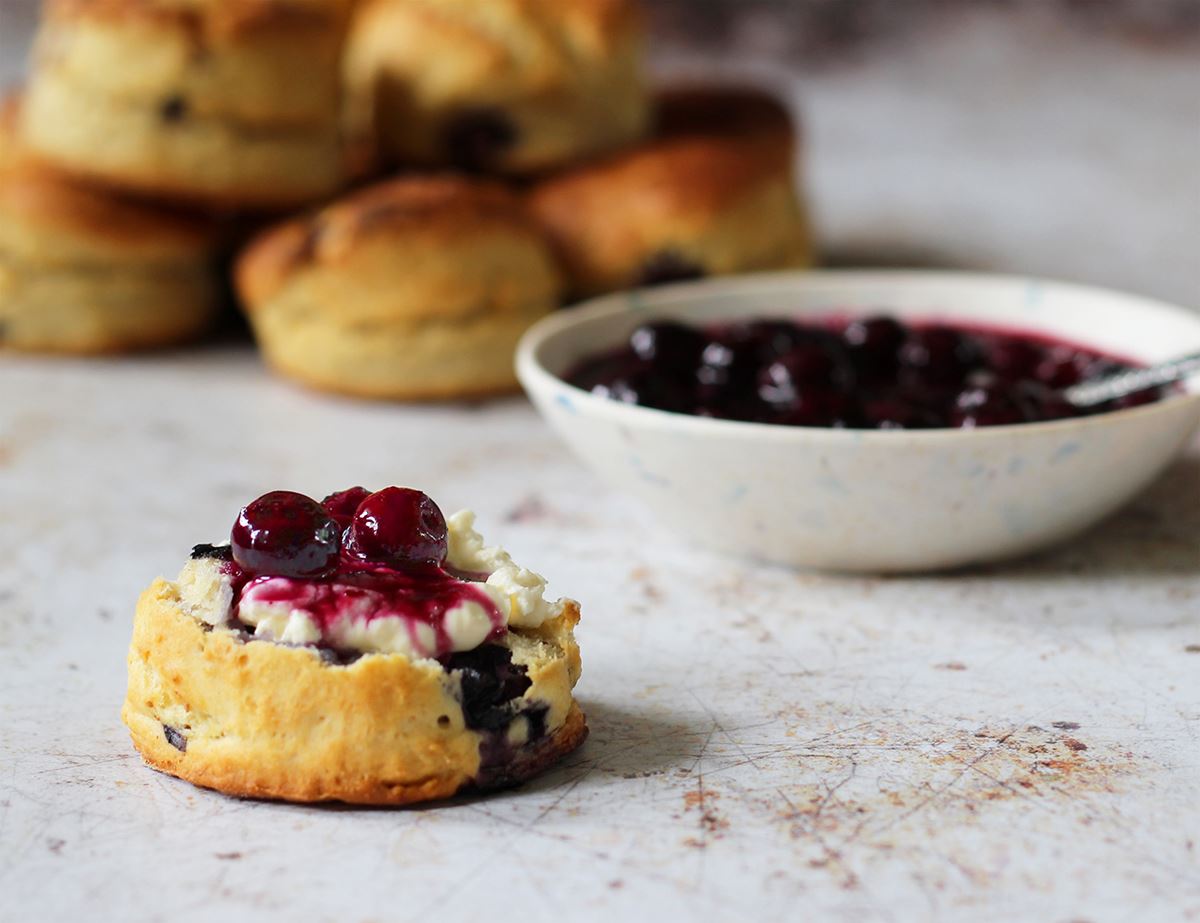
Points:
(711, 193)
(233, 104)
(500, 87)
(362, 649)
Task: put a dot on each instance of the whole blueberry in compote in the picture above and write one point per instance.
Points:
(939, 355)
(774, 338)
(400, 527)
(344, 504)
(1013, 359)
(668, 344)
(807, 365)
(647, 387)
(874, 345)
(727, 362)
(986, 404)
(286, 534)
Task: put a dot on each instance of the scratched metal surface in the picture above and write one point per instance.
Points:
(1022, 743)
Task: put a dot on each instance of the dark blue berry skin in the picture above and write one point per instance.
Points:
(175, 738)
(669, 345)
(873, 347)
(286, 534)
(939, 355)
(399, 527)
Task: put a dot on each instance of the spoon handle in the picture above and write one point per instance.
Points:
(1097, 391)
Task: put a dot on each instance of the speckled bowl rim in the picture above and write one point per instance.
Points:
(535, 377)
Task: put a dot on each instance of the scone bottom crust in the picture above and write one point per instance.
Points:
(447, 646)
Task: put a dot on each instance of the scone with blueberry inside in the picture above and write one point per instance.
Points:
(363, 649)
(231, 104)
(505, 87)
(712, 193)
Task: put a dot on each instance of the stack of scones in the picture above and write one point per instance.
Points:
(427, 178)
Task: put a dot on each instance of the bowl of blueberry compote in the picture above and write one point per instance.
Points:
(882, 421)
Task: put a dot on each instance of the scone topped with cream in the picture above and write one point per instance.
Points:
(362, 649)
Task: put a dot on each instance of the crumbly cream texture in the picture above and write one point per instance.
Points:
(206, 594)
(519, 593)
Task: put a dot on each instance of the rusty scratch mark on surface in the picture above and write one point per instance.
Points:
(704, 801)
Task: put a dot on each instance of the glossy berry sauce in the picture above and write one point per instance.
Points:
(356, 554)
(868, 373)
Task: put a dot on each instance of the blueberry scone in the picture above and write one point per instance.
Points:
(362, 649)
(233, 104)
(507, 86)
(84, 270)
(712, 193)
(413, 289)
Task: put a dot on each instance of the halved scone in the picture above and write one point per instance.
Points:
(363, 650)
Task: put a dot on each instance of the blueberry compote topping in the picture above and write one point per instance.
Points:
(358, 555)
(287, 535)
(868, 373)
(399, 526)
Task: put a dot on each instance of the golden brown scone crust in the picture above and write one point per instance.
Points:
(415, 288)
(85, 271)
(191, 102)
(266, 720)
(565, 75)
(714, 190)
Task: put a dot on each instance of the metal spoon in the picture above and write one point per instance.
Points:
(1099, 390)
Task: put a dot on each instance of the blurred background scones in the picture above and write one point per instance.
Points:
(712, 193)
(507, 86)
(84, 271)
(414, 288)
(235, 104)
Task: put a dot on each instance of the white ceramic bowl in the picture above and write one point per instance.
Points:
(858, 500)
